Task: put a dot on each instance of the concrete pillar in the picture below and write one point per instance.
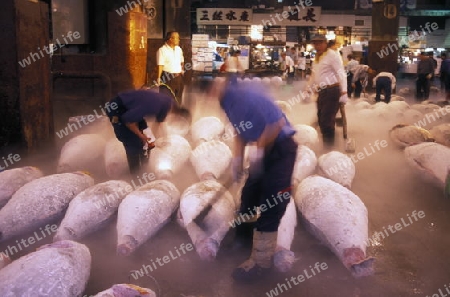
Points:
(25, 109)
(127, 54)
(383, 47)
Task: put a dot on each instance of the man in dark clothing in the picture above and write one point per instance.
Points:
(129, 123)
(268, 185)
(445, 74)
(425, 70)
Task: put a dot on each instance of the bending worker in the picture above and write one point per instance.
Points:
(385, 82)
(270, 168)
(129, 123)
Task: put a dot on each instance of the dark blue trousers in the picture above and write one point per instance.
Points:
(132, 143)
(272, 190)
(383, 83)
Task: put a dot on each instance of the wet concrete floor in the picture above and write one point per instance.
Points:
(414, 261)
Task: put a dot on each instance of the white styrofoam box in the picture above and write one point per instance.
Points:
(200, 43)
(200, 37)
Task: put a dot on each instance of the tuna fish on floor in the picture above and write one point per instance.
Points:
(83, 152)
(206, 129)
(211, 159)
(337, 167)
(217, 222)
(305, 164)
(338, 218)
(57, 269)
(306, 135)
(169, 156)
(441, 134)
(403, 135)
(284, 258)
(13, 179)
(40, 202)
(92, 209)
(143, 213)
(116, 164)
(126, 290)
(431, 161)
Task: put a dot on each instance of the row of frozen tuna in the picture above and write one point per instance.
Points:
(58, 269)
(209, 136)
(425, 114)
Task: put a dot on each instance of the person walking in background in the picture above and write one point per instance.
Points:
(385, 82)
(445, 74)
(302, 65)
(329, 81)
(294, 57)
(425, 70)
(289, 67)
(351, 67)
(170, 61)
(232, 63)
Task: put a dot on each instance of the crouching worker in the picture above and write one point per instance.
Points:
(128, 120)
(268, 185)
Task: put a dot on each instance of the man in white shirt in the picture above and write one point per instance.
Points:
(233, 65)
(170, 62)
(289, 67)
(351, 67)
(384, 81)
(329, 80)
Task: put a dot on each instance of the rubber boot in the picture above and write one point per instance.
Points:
(260, 261)
(243, 236)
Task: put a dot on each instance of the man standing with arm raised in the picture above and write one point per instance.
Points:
(329, 80)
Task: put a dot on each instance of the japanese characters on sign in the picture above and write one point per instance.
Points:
(224, 16)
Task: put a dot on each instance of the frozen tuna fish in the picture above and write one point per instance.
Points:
(143, 213)
(430, 160)
(116, 163)
(211, 159)
(404, 135)
(41, 201)
(399, 105)
(216, 223)
(305, 164)
(206, 129)
(92, 209)
(284, 258)
(441, 134)
(337, 167)
(412, 116)
(83, 152)
(169, 156)
(126, 290)
(57, 269)
(13, 179)
(338, 218)
(176, 125)
(306, 135)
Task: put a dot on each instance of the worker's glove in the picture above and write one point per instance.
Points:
(148, 147)
(429, 76)
(237, 169)
(256, 159)
(343, 99)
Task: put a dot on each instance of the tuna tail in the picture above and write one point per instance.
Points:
(354, 259)
(129, 246)
(64, 233)
(284, 259)
(363, 268)
(207, 249)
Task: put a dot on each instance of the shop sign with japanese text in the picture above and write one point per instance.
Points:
(224, 16)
